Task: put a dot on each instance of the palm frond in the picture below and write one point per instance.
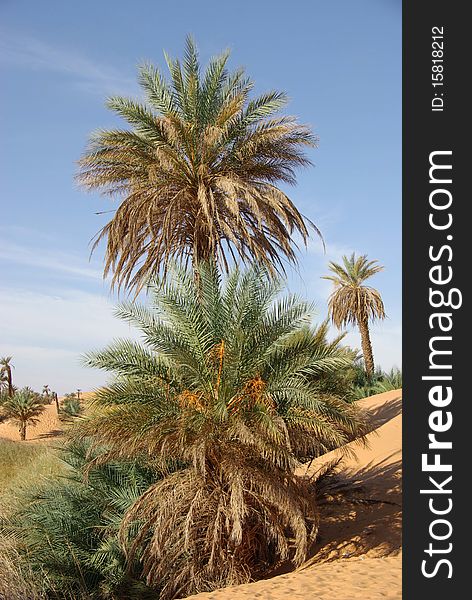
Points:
(196, 175)
(234, 384)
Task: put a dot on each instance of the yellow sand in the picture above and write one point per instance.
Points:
(48, 427)
(368, 579)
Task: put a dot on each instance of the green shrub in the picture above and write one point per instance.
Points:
(65, 529)
(380, 382)
(71, 406)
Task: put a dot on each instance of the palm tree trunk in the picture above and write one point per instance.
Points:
(197, 261)
(10, 382)
(23, 432)
(366, 348)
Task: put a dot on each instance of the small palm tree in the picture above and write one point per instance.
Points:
(23, 408)
(46, 392)
(5, 369)
(354, 303)
(197, 173)
(229, 385)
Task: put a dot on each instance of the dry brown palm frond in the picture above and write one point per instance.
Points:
(196, 175)
(17, 581)
(223, 527)
(352, 302)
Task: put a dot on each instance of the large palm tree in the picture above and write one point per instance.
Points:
(351, 302)
(23, 408)
(230, 385)
(5, 369)
(197, 174)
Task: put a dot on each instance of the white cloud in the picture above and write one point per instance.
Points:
(28, 52)
(46, 328)
(386, 344)
(47, 259)
(36, 366)
(46, 333)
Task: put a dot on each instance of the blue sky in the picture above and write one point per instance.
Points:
(338, 61)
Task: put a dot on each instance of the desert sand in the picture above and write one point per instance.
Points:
(48, 427)
(358, 554)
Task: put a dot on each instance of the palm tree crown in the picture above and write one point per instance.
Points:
(23, 408)
(351, 302)
(197, 172)
(230, 386)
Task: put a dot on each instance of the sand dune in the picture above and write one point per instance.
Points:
(48, 427)
(368, 579)
(359, 551)
(372, 529)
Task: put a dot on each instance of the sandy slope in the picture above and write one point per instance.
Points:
(359, 552)
(48, 427)
(368, 579)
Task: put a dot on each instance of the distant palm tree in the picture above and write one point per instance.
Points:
(229, 385)
(354, 303)
(5, 368)
(46, 391)
(197, 173)
(23, 408)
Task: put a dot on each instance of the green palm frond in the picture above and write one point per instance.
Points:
(67, 530)
(234, 383)
(23, 408)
